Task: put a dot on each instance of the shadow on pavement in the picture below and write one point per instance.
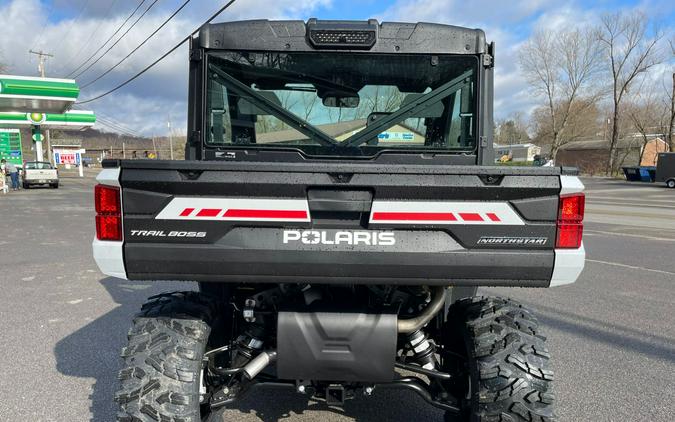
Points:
(272, 405)
(618, 336)
(93, 350)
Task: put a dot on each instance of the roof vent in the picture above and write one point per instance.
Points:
(352, 35)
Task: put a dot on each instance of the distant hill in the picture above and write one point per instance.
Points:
(95, 140)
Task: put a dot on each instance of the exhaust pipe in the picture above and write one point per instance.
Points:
(404, 326)
(407, 326)
(258, 363)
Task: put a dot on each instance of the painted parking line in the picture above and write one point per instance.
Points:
(607, 211)
(643, 204)
(640, 236)
(632, 267)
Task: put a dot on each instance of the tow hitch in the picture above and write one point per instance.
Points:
(335, 395)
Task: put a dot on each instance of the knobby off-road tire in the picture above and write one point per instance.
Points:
(163, 361)
(508, 363)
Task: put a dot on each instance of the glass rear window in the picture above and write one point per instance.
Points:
(341, 104)
(38, 166)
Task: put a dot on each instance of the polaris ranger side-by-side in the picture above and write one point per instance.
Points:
(338, 208)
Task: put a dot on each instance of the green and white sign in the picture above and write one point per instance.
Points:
(28, 93)
(73, 120)
(10, 146)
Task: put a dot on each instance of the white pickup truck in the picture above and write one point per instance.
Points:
(40, 173)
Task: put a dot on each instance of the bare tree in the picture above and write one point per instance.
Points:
(671, 120)
(511, 130)
(373, 99)
(268, 123)
(648, 114)
(583, 122)
(563, 68)
(630, 52)
(309, 100)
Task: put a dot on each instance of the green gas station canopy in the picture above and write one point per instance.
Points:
(46, 95)
(70, 120)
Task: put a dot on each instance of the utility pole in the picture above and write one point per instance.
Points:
(170, 137)
(42, 57)
(671, 123)
(154, 146)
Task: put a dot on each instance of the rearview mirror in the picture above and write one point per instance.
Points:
(340, 99)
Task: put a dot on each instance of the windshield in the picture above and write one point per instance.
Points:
(38, 166)
(331, 104)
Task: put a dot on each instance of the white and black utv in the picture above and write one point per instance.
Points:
(338, 207)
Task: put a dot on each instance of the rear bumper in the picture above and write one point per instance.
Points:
(108, 257)
(40, 181)
(531, 268)
(568, 265)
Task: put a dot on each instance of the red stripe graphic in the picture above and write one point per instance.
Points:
(209, 212)
(286, 214)
(470, 216)
(492, 216)
(414, 216)
(186, 212)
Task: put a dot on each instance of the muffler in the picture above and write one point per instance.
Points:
(324, 346)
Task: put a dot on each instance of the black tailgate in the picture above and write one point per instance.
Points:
(337, 223)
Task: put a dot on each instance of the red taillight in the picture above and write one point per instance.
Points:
(107, 199)
(109, 227)
(570, 221)
(108, 212)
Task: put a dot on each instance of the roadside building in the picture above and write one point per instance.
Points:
(343, 130)
(107, 146)
(651, 151)
(590, 157)
(66, 151)
(516, 152)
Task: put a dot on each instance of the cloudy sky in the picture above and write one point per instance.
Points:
(73, 30)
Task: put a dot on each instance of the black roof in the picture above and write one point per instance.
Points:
(390, 37)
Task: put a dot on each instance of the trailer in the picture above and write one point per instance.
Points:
(665, 169)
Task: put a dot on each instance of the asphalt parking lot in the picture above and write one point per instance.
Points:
(62, 323)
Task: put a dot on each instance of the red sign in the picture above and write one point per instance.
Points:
(67, 158)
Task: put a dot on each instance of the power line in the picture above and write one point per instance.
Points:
(118, 40)
(108, 128)
(115, 124)
(162, 57)
(85, 4)
(91, 36)
(139, 45)
(42, 31)
(120, 124)
(116, 128)
(108, 40)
